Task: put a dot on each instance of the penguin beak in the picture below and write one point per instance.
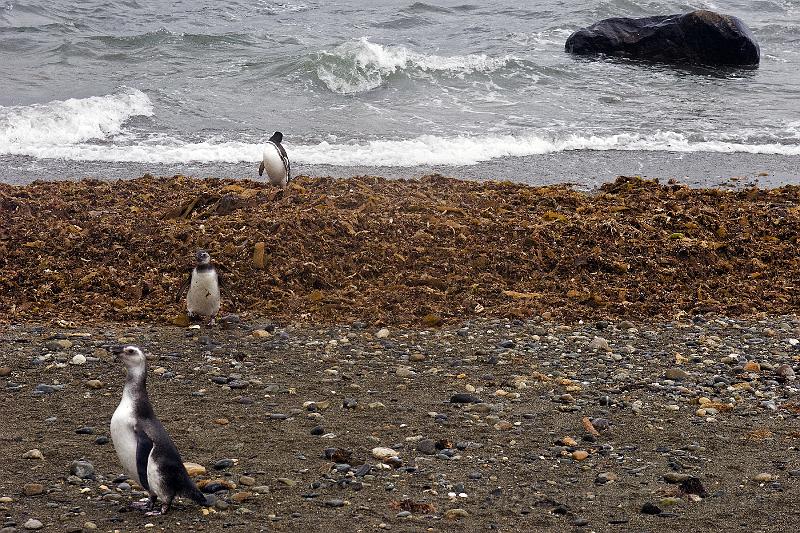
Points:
(116, 350)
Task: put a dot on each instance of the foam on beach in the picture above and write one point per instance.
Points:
(100, 128)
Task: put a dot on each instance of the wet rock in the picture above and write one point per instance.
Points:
(698, 37)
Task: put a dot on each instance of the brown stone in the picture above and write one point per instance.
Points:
(258, 255)
(32, 489)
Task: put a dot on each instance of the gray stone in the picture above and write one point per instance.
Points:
(427, 446)
(33, 524)
(82, 469)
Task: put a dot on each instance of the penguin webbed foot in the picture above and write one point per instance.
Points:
(144, 504)
(164, 509)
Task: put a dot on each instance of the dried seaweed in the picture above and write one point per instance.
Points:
(421, 252)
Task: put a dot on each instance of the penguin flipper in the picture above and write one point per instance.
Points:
(261, 169)
(182, 288)
(286, 164)
(220, 285)
(144, 444)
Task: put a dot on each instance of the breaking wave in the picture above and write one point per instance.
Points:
(67, 122)
(359, 66)
(419, 151)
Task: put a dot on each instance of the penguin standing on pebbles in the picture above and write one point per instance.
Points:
(143, 446)
(203, 296)
(276, 162)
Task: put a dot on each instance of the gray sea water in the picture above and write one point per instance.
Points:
(399, 88)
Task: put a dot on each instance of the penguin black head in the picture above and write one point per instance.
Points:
(203, 258)
(132, 356)
(276, 138)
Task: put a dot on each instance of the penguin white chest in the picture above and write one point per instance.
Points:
(274, 165)
(203, 296)
(124, 437)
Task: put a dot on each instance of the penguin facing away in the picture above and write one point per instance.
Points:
(203, 295)
(143, 446)
(275, 161)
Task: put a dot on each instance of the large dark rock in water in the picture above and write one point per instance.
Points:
(699, 37)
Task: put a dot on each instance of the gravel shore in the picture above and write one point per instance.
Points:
(494, 424)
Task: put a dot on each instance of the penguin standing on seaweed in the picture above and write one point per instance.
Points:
(276, 162)
(203, 296)
(143, 446)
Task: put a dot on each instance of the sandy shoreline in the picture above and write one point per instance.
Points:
(585, 169)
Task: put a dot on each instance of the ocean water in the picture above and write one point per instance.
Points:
(400, 88)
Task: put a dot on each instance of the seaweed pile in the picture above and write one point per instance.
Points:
(379, 251)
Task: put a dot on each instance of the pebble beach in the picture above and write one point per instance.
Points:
(491, 425)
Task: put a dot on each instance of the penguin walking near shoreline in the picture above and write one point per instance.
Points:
(203, 295)
(276, 162)
(143, 446)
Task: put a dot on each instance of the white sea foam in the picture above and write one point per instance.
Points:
(360, 65)
(66, 122)
(425, 150)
